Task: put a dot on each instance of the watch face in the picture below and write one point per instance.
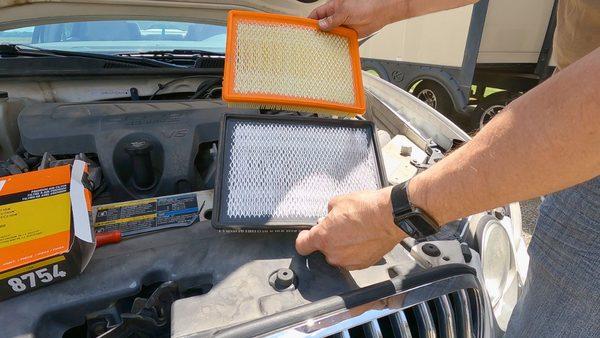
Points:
(415, 225)
(407, 227)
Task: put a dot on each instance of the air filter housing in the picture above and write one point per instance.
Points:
(285, 62)
(280, 172)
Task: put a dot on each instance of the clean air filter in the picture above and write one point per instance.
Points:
(285, 62)
(280, 172)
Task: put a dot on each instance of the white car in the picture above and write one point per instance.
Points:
(95, 77)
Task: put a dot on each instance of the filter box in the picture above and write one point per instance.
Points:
(45, 229)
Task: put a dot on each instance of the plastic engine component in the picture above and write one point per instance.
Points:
(170, 131)
(143, 173)
(237, 266)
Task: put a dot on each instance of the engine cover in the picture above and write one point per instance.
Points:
(172, 131)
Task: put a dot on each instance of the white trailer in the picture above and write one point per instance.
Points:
(442, 57)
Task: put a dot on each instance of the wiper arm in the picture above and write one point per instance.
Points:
(195, 58)
(175, 53)
(11, 50)
(27, 50)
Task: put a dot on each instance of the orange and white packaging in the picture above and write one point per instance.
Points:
(45, 229)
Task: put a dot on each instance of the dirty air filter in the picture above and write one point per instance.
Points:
(285, 62)
(280, 172)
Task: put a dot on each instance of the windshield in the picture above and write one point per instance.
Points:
(120, 36)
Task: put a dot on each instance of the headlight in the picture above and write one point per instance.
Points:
(496, 256)
(498, 266)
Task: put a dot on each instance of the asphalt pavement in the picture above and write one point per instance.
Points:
(529, 215)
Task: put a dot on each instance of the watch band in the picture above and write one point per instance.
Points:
(413, 221)
(400, 202)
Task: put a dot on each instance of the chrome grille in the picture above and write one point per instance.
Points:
(443, 317)
(446, 301)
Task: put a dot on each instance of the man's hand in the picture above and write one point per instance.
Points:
(365, 17)
(358, 230)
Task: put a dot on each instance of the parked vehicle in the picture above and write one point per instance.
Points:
(467, 63)
(98, 93)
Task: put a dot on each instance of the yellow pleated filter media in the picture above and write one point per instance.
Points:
(285, 62)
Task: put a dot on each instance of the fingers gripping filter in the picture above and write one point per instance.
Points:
(281, 172)
(285, 62)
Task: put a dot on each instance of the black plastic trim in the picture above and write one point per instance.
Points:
(34, 73)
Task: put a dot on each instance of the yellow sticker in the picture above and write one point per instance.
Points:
(33, 219)
(126, 204)
(125, 220)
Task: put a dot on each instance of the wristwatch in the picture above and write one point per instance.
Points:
(410, 219)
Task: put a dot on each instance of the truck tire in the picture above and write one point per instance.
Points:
(435, 96)
(489, 107)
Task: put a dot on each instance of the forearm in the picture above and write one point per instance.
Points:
(404, 9)
(545, 141)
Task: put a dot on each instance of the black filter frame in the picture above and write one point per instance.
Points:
(218, 221)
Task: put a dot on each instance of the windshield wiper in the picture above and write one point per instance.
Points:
(175, 53)
(15, 50)
(194, 58)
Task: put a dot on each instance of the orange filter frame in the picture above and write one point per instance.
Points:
(305, 69)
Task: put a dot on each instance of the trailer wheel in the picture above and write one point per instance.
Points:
(489, 107)
(377, 69)
(435, 96)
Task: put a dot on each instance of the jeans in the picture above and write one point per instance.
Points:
(561, 297)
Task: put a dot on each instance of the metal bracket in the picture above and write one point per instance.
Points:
(434, 156)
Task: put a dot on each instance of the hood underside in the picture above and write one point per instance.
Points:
(23, 13)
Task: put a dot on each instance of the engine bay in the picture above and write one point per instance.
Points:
(186, 281)
(142, 149)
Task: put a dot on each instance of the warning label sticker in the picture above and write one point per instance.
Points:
(136, 217)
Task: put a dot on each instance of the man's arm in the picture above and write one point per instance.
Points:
(367, 17)
(545, 141)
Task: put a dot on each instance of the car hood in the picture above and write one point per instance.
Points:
(23, 13)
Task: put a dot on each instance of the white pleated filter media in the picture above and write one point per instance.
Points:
(293, 61)
(287, 171)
